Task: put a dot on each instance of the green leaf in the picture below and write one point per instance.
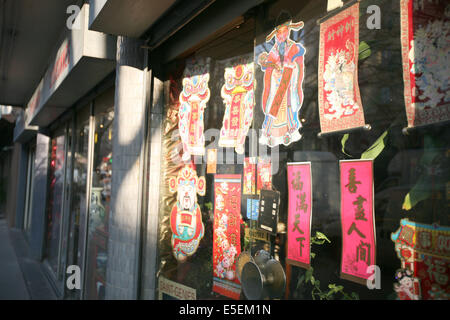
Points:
(320, 235)
(364, 50)
(308, 275)
(421, 191)
(313, 255)
(376, 148)
(343, 141)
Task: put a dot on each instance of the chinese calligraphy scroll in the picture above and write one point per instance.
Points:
(340, 106)
(424, 252)
(238, 96)
(425, 34)
(299, 214)
(282, 98)
(226, 245)
(193, 100)
(357, 219)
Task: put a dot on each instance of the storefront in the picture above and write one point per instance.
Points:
(292, 166)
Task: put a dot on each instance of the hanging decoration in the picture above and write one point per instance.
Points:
(424, 252)
(425, 35)
(249, 184)
(357, 220)
(264, 174)
(299, 214)
(340, 106)
(211, 161)
(193, 101)
(281, 58)
(238, 97)
(186, 218)
(226, 239)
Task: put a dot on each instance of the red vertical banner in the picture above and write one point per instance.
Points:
(264, 174)
(340, 106)
(357, 220)
(425, 29)
(299, 214)
(226, 239)
(249, 179)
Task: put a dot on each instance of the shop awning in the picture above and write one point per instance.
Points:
(82, 60)
(126, 17)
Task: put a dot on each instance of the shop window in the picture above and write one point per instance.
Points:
(331, 100)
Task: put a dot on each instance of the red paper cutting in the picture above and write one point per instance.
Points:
(227, 244)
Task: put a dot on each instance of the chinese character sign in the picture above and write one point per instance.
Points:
(357, 219)
(425, 35)
(238, 96)
(281, 58)
(299, 214)
(340, 105)
(226, 239)
(193, 101)
(424, 253)
(186, 218)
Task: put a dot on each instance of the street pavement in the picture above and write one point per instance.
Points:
(12, 283)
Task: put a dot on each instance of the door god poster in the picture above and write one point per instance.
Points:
(425, 37)
(238, 96)
(281, 59)
(340, 106)
(186, 218)
(357, 220)
(299, 214)
(193, 101)
(227, 235)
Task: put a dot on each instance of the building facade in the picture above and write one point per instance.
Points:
(241, 150)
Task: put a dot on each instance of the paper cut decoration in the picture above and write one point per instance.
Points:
(299, 214)
(425, 35)
(283, 67)
(193, 101)
(269, 207)
(186, 218)
(211, 161)
(340, 106)
(249, 184)
(238, 97)
(357, 220)
(424, 252)
(227, 237)
(264, 174)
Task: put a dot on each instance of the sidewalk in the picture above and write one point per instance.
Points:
(12, 283)
(21, 278)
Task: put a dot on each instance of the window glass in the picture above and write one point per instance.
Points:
(100, 197)
(281, 42)
(55, 200)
